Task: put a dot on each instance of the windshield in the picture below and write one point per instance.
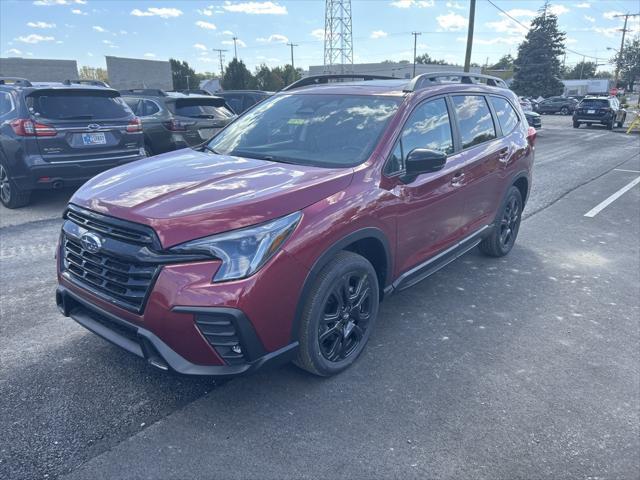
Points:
(65, 105)
(319, 130)
(201, 108)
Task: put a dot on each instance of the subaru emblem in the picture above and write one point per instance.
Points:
(91, 242)
(93, 126)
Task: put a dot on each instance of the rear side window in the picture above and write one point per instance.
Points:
(507, 116)
(474, 120)
(150, 108)
(65, 105)
(196, 108)
(6, 103)
(427, 127)
(134, 104)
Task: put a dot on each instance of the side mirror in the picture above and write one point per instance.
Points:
(423, 160)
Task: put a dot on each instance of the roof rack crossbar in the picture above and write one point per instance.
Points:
(82, 81)
(22, 82)
(428, 79)
(156, 92)
(324, 79)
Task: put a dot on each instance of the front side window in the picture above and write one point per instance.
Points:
(474, 120)
(311, 129)
(428, 127)
(507, 116)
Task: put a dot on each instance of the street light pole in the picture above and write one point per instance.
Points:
(235, 48)
(472, 17)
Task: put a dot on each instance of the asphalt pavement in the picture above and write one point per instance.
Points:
(523, 367)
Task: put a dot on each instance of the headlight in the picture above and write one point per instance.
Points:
(243, 251)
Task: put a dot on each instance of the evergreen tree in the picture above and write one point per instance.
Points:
(237, 76)
(183, 75)
(425, 59)
(505, 63)
(267, 79)
(537, 66)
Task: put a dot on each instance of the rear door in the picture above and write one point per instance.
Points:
(83, 125)
(202, 117)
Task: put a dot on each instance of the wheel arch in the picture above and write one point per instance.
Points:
(369, 242)
(522, 183)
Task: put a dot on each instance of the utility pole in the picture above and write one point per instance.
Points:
(220, 52)
(582, 67)
(235, 48)
(292, 64)
(415, 44)
(472, 17)
(624, 31)
(187, 81)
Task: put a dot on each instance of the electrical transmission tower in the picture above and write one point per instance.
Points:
(338, 38)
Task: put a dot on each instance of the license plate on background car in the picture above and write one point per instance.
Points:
(207, 133)
(94, 139)
(591, 111)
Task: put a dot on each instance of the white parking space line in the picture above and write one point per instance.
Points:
(602, 205)
(624, 170)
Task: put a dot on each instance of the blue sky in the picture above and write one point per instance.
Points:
(87, 30)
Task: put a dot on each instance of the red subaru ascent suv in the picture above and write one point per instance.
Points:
(278, 239)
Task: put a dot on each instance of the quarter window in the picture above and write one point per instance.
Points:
(474, 120)
(428, 127)
(6, 103)
(150, 108)
(507, 116)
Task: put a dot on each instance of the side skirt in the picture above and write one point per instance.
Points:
(435, 263)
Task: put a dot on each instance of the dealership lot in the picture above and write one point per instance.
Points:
(525, 367)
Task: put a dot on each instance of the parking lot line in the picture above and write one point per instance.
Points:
(625, 170)
(602, 205)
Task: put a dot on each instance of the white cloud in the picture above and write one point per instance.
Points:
(200, 46)
(493, 40)
(13, 51)
(98, 28)
(207, 12)
(318, 33)
(451, 21)
(607, 32)
(378, 34)
(228, 32)
(157, 12)
(582, 5)
(571, 41)
(205, 25)
(239, 42)
(275, 38)
(123, 32)
(34, 38)
(506, 25)
(589, 19)
(412, 3)
(48, 3)
(41, 25)
(611, 14)
(558, 9)
(77, 11)
(150, 55)
(455, 5)
(256, 8)
(521, 12)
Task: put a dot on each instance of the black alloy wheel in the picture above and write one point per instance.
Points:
(506, 226)
(340, 311)
(564, 111)
(10, 195)
(346, 316)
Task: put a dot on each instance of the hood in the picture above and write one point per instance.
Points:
(186, 194)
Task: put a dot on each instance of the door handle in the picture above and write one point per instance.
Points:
(457, 179)
(504, 154)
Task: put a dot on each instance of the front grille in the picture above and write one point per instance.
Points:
(112, 227)
(122, 282)
(221, 334)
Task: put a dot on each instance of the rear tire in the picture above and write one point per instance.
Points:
(339, 314)
(10, 195)
(506, 226)
(620, 124)
(610, 125)
(564, 111)
(576, 124)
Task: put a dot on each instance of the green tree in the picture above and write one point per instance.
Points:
(505, 63)
(537, 66)
(581, 70)
(183, 75)
(237, 76)
(268, 79)
(629, 63)
(425, 59)
(603, 74)
(93, 73)
(287, 74)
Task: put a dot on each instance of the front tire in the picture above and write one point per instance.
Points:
(339, 315)
(576, 124)
(506, 228)
(10, 195)
(610, 125)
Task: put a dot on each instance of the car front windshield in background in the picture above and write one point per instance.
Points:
(310, 129)
(78, 106)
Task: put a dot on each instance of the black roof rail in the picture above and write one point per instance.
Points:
(21, 82)
(324, 79)
(82, 81)
(194, 91)
(435, 78)
(155, 92)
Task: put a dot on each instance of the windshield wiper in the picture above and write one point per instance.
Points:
(209, 149)
(257, 156)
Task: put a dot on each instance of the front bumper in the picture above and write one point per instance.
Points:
(145, 344)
